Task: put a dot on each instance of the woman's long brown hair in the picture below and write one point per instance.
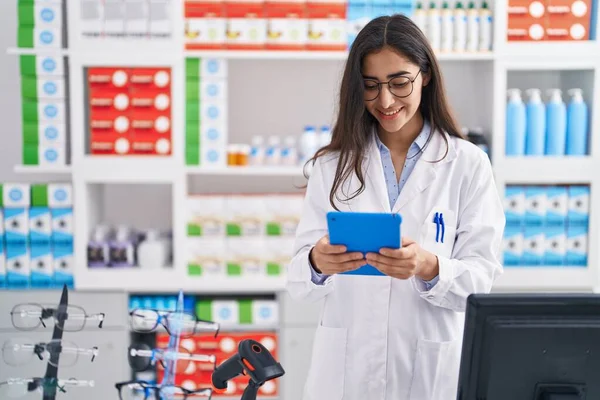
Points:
(352, 131)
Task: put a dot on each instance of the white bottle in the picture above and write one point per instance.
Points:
(289, 152)
(324, 136)
(420, 17)
(447, 28)
(472, 28)
(434, 29)
(485, 27)
(273, 151)
(153, 252)
(257, 151)
(308, 143)
(460, 28)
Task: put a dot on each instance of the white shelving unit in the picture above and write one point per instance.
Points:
(491, 71)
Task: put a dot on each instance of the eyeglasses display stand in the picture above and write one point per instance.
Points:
(66, 318)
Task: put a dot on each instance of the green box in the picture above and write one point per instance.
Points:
(192, 67)
(28, 65)
(30, 155)
(273, 229)
(25, 37)
(194, 270)
(192, 133)
(234, 269)
(39, 195)
(273, 269)
(30, 111)
(192, 89)
(1, 196)
(31, 135)
(233, 230)
(204, 310)
(245, 307)
(194, 230)
(26, 12)
(192, 111)
(29, 87)
(192, 156)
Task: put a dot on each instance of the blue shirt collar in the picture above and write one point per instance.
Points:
(416, 146)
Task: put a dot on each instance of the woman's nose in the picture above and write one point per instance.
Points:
(386, 99)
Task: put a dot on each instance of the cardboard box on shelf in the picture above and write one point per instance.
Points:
(205, 25)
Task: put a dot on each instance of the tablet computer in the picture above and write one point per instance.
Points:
(364, 232)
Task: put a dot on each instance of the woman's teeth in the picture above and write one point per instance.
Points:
(389, 113)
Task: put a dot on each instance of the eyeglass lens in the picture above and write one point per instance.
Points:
(176, 323)
(400, 86)
(30, 316)
(20, 351)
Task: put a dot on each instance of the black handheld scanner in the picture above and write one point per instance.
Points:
(253, 360)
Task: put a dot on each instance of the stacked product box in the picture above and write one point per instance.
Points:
(206, 112)
(360, 12)
(130, 111)
(41, 24)
(266, 24)
(38, 235)
(126, 19)
(44, 92)
(241, 236)
(198, 375)
(239, 312)
(537, 20)
(546, 225)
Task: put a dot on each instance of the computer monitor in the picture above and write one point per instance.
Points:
(531, 347)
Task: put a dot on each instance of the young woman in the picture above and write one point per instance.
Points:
(396, 149)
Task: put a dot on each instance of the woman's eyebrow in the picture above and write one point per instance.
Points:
(390, 76)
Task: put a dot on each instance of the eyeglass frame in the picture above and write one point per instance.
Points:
(48, 312)
(379, 84)
(37, 383)
(152, 359)
(163, 315)
(157, 388)
(51, 347)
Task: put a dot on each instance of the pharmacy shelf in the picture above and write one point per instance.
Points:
(315, 55)
(536, 278)
(232, 328)
(17, 51)
(546, 170)
(42, 170)
(138, 279)
(117, 169)
(568, 50)
(248, 171)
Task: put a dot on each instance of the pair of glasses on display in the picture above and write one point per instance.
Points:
(29, 316)
(142, 390)
(21, 351)
(141, 357)
(16, 388)
(400, 86)
(175, 323)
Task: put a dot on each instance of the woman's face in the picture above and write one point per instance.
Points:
(392, 111)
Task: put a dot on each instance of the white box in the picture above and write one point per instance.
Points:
(62, 225)
(213, 67)
(226, 312)
(63, 263)
(50, 88)
(557, 205)
(52, 134)
(213, 89)
(555, 246)
(52, 111)
(327, 33)
(47, 15)
(16, 225)
(50, 38)
(137, 16)
(577, 245)
(114, 17)
(52, 155)
(246, 258)
(41, 264)
(213, 156)
(283, 214)
(17, 265)
(40, 225)
(287, 33)
(91, 17)
(16, 195)
(49, 66)
(579, 205)
(213, 135)
(265, 312)
(534, 245)
(246, 215)
(512, 245)
(207, 258)
(514, 205)
(60, 195)
(207, 216)
(246, 32)
(160, 17)
(535, 205)
(205, 32)
(213, 111)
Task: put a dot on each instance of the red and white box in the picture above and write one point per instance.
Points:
(287, 24)
(246, 24)
(157, 78)
(111, 78)
(109, 99)
(527, 20)
(327, 26)
(569, 19)
(205, 24)
(151, 99)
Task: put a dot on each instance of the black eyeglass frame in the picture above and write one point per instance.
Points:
(388, 83)
(146, 387)
(48, 312)
(163, 320)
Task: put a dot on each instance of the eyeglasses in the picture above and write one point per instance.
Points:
(29, 316)
(20, 351)
(141, 390)
(17, 387)
(183, 324)
(141, 356)
(400, 86)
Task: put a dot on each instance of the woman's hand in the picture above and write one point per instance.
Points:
(331, 259)
(408, 261)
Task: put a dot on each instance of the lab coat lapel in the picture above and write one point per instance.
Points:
(375, 177)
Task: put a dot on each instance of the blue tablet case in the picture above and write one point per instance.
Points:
(364, 232)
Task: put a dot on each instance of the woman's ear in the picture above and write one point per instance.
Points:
(426, 78)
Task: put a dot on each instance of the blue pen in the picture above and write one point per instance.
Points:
(443, 227)
(437, 227)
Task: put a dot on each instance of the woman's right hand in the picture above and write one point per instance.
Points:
(331, 259)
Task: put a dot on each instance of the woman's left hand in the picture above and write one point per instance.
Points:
(408, 261)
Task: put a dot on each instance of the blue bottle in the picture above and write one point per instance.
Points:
(556, 124)
(577, 124)
(536, 124)
(515, 124)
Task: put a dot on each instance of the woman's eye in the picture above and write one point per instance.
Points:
(399, 84)
(370, 86)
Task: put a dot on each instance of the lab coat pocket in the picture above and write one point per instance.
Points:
(439, 232)
(436, 367)
(327, 371)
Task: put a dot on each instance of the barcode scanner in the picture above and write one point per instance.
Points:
(253, 360)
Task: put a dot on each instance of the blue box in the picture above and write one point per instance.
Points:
(535, 205)
(41, 265)
(358, 15)
(2, 263)
(16, 225)
(17, 265)
(579, 205)
(533, 245)
(512, 246)
(382, 9)
(556, 245)
(62, 253)
(557, 205)
(40, 225)
(577, 245)
(514, 205)
(62, 225)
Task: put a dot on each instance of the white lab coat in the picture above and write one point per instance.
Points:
(381, 338)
